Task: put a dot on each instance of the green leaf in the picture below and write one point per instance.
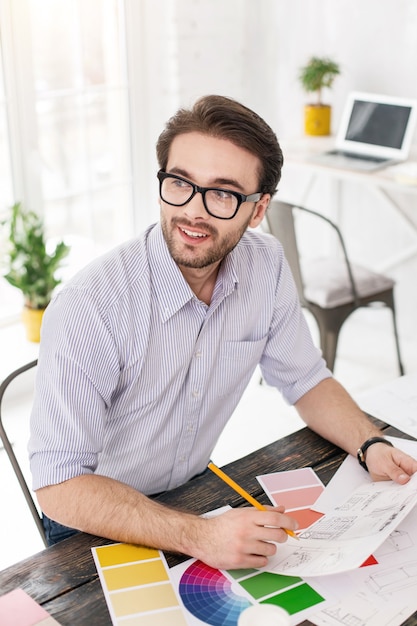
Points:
(28, 266)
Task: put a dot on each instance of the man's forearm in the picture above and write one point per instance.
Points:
(239, 538)
(105, 507)
(330, 411)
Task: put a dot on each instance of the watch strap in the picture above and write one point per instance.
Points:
(362, 450)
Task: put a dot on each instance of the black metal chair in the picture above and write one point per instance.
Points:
(331, 287)
(8, 447)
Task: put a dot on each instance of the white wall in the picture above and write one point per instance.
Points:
(252, 50)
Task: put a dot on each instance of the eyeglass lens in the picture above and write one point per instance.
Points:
(218, 202)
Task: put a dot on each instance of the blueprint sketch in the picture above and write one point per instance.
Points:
(383, 594)
(359, 610)
(346, 535)
(379, 595)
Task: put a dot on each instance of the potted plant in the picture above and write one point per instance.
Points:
(30, 266)
(317, 74)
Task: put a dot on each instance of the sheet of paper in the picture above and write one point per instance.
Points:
(395, 403)
(360, 610)
(380, 595)
(345, 537)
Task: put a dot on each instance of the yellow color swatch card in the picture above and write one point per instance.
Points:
(137, 586)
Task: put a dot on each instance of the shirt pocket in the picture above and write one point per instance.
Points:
(236, 364)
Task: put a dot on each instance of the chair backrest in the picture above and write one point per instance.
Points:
(10, 452)
(280, 220)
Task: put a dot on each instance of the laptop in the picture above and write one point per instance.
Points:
(375, 131)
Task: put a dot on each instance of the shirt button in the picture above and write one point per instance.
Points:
(198, 354)
(196, 393)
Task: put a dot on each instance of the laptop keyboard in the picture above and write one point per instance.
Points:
(343, 159)
(360, 157)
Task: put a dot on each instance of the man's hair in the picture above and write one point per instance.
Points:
(225, 118)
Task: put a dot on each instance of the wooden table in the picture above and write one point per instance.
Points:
(63, 578)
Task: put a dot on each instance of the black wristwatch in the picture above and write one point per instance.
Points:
(369, 442)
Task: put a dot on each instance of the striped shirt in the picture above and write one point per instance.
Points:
(137, 377)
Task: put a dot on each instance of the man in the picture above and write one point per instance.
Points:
(146, 353)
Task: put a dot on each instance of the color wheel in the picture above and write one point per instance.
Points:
(208, 595)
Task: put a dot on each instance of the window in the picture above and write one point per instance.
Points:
(64, 122)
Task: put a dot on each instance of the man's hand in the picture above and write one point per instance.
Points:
(329, 410)
(386, 463)
(241, 538)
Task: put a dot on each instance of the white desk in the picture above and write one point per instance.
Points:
(300, 152)
(383, 184)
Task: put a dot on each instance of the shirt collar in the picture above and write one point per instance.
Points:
(169, 285)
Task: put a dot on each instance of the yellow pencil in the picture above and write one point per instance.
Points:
(229, 481)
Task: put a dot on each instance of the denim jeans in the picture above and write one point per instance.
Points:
(56, 532)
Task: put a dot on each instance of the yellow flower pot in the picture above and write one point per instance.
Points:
(317, 118)
(32, 320)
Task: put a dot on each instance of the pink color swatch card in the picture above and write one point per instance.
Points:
(17, 608)
(297, 490)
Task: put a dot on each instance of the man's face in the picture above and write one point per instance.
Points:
(196, 239)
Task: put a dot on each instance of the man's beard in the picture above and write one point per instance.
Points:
(195, 258)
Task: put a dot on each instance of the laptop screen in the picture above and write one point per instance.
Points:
(376, 125)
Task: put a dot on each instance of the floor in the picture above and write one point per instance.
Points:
(366, 358)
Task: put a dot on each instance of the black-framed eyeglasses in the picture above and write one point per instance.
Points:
(220, 203)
